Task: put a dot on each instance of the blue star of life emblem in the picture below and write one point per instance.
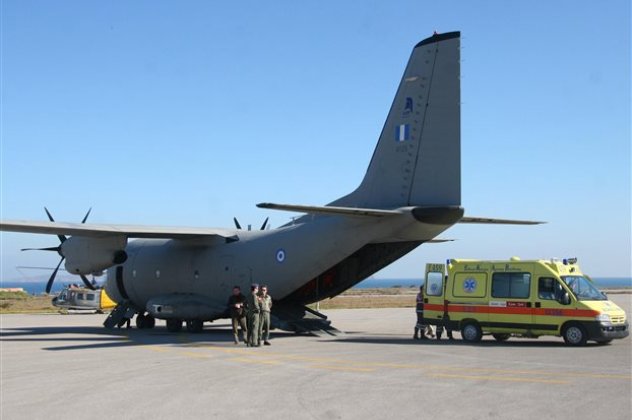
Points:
(469, 285)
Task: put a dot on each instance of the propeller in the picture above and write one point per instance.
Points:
(263, 226)
(62, 239)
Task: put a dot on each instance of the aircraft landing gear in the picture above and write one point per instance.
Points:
(194, 325)
(145, 321)
(174, 325)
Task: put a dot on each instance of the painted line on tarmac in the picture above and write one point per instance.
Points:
(256, 362)
(535, 372)
(499, 378)
(248, 355)
(341, 368)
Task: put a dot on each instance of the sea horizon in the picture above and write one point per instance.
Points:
(38, 287)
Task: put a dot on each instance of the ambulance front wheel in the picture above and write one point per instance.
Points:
(471, 332)
(574, 335)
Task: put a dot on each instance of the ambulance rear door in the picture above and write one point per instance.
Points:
(434, 292)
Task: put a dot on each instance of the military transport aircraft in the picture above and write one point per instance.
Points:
(410, 194)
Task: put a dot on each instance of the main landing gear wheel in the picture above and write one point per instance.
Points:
(174, 325)
(194, 325)
(144, 322)
(471, 332)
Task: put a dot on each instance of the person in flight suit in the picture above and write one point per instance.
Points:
(264, 324)
(237, 309)
(254, 310)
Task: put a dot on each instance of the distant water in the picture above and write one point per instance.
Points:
(37, 288)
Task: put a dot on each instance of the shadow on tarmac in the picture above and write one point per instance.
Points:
(541, 343)
(100, 337)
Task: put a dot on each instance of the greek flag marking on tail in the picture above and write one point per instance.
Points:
(402, 132)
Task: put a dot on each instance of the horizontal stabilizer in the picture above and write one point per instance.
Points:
(343, 211)
(490, 221)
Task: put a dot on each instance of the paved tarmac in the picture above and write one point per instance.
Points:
(68, 366)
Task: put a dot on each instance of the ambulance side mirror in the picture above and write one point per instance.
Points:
(565, 299)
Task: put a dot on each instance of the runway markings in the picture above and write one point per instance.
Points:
(499, 378)
(341, 368)
(266, 357)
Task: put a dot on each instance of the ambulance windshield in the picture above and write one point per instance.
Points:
(583, 289)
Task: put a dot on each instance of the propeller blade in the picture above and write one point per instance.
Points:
(49, 285)
(237, 225)
(49, 215)
(52, 248)
(87, 214)
(62, 238)
(87, 282)
(265, 223)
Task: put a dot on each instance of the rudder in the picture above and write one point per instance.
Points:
(417, 161)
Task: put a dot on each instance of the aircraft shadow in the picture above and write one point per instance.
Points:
(98, 337)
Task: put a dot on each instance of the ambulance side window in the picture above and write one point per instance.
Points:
(434, 283)
(547, 289)
(511, 285)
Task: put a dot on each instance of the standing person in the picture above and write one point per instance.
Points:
(420, 327)
(419, 310)
(254, 309)
(264, 324)
(237, 309)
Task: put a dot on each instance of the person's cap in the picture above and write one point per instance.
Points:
(254, 285)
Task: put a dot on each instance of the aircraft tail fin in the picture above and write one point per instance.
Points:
(417, 161)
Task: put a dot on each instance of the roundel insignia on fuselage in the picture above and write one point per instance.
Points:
(280, 255)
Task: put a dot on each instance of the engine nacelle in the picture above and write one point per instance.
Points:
(85, 255)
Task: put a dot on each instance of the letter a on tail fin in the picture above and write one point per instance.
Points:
(417, 161)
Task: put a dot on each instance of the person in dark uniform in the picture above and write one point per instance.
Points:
(237, 309)
(421, 329)
(254, 310)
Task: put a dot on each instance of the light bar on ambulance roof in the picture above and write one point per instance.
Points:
(568, 261)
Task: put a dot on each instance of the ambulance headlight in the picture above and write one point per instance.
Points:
(603, 318)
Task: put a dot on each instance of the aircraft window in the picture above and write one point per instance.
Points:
(90, 296)
(511, 285)
(80, 296)
(548, 288)
(434, 283)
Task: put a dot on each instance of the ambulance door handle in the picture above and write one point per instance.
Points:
(537, 304)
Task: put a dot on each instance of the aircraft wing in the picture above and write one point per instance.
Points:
(344, 211)
(99, 230)
(490, 221)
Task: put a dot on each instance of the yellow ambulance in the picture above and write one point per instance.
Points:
(520, 298)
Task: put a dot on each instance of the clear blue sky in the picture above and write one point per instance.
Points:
(190, 113)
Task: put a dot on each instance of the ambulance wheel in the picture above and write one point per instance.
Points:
(194, 325)
(574, 335)
(174, 325)
(471, 332)
(501, 337)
